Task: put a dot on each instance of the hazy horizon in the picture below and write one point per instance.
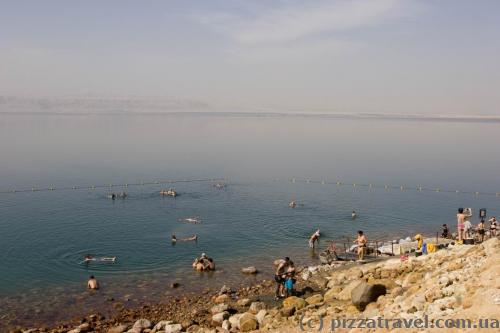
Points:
(383, 56)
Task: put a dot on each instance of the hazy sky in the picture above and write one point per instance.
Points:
(397, 56)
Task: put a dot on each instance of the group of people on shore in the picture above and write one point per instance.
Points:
(465, 229)
(285, 278)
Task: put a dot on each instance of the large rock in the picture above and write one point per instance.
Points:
(218, 318)
(315, 299)
(244, 302)
(118, 329)
(249, 270)
(141, 324)
(219, 308)
(332, 293)
(365, 293)
(345, 294)
(234, 320)
(160, 326)
(173, 328)
(260, 316)
(287, 311)
(255, 307)
(224, 298)
(294, 301)
(248, 322)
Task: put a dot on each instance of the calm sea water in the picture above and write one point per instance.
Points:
(44, 235)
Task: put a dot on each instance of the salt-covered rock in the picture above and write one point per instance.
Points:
(249, 270)
(294, 301)
(255, 307)
(247, 322)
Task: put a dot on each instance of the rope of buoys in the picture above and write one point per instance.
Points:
(93, 187)
(388, 187)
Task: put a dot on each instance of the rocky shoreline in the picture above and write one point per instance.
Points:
(460, 281)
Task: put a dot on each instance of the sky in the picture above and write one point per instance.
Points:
(386, 56)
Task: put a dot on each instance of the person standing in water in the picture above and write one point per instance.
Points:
(460, 223)
(361, 241)
(280, 276)
(480, 230)
(314, 238)
(92, 283)
(353, 215)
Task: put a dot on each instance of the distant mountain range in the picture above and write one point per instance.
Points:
(181, 107)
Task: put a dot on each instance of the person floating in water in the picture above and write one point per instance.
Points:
(292, 204)
(88, 258)
(192, 238)
(314, 238)
(353, 215)
(362, 242)
(92, 283)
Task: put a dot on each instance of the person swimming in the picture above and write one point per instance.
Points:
(88, 258)
(192, 238)
(193, 219)
(292, 204)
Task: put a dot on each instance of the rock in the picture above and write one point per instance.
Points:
(345, 294)
(224, 298)
(365, 293)
(412, 278)
(218, 318)
(84, 327)
(234, 320)
(388, 283)
(219, 308)
(321, 312)
(193, 329)
(249, 270)
(352, 310)
(260, 316)
(287, 311)
(76, 330)
(160, 326)
(397, 291)
(187, 323)
(118, 329)
(141, 324)
(306, 275)
(315, 299)
(224, 290)
(175, 285)
(332, 293)
(247, 322)
(173, 328)
(294, 301)
(371, 310)
(226, 325)
(255, 307)
(244, 302)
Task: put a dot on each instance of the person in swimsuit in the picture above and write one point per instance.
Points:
(280, 275)
(290, 279)
(480, 230)
(92, 283)
(314, 238)
(493, 226)
(460, 223)
(361, 241)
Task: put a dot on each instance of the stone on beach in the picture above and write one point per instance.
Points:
(249, 270)
(247, 322)
(218, 318)
(118, 329)
(142, 324)
(255, 307)
(315, 299)
(295, 302)
(243, 302)
(345, 294)
(365, 293)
